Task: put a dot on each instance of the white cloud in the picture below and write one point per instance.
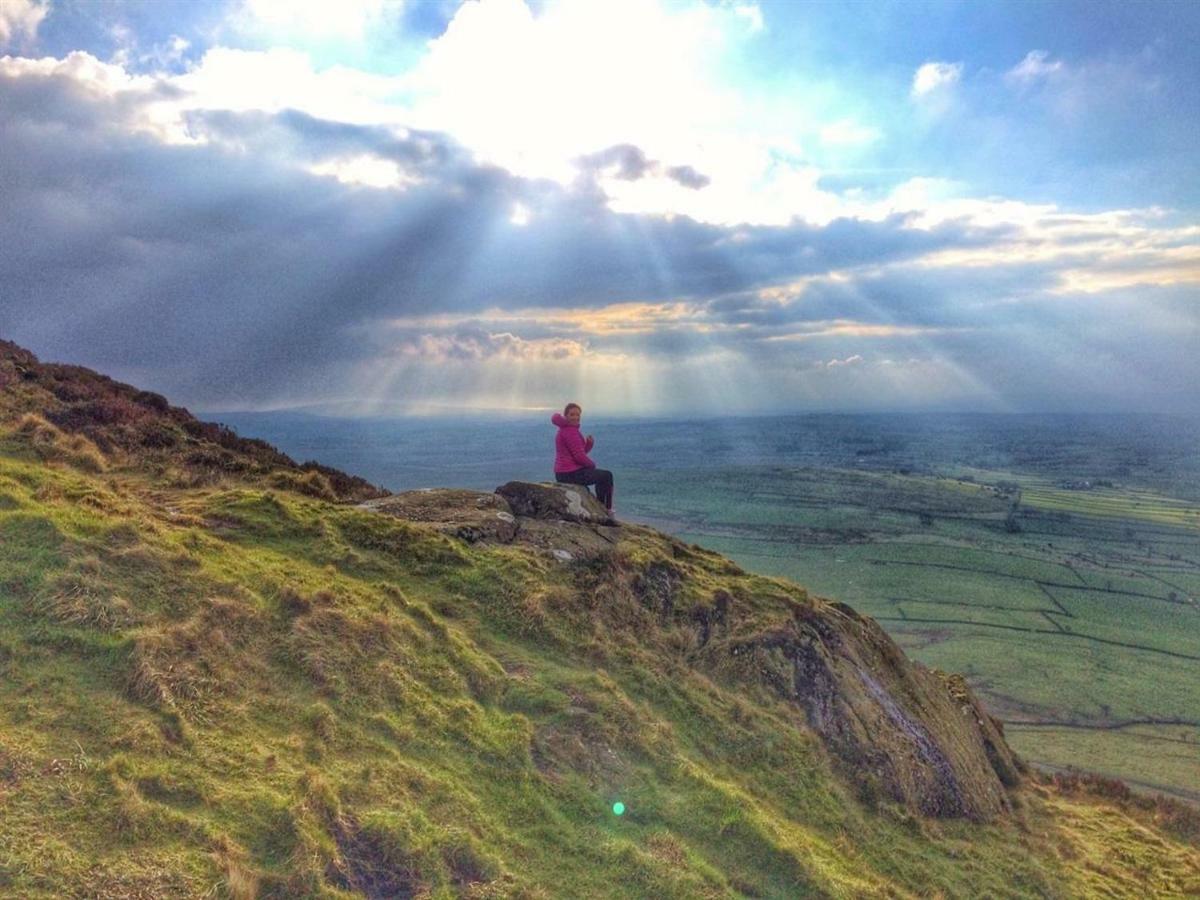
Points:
(365, 170)
(477, 345)
(322, 20)
(535, 92)
(487, 83)
(283, 78)
(848, 132)
(521, 215)
(1034, 66)
(98, 77)
(752, 14)
(21, 17)
(933, 76)
(848, 361)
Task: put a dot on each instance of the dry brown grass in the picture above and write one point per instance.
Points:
(53, 445)
(337, 648)
(240, 881)
(1174, 816)
(77, 601)
(311, 483)
(186, 666)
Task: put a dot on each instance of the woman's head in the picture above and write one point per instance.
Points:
(572, 412)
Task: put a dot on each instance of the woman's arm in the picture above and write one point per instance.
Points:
(575, 446)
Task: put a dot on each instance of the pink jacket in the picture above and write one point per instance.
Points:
(570, 447)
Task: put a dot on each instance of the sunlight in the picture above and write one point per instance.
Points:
(368, 171)
(521, 215)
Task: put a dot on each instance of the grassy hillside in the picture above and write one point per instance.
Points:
(222, 683)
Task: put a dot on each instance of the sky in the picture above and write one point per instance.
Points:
(435, 207)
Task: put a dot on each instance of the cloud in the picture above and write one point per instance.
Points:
(222, 269)
(533, 91)
(253, 283)
(688, 177)
(478, 345)
(752, 14)
(19, 19)
(629, 163)
(623, 161)
(1035, 66)
(848, 132)
(316, 19)
(848, 361)
(931, 77)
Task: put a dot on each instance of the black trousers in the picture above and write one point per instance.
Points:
(601, 478)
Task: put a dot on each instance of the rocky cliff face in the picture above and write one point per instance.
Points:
(894, 727)
(891, 727)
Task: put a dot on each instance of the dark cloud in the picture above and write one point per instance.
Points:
(688, 177)
(301, 136)
(224, 272)
(629, 163)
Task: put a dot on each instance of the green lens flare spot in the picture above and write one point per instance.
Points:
(619, 808)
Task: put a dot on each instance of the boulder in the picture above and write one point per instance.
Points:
(563, 520)
(565, 502)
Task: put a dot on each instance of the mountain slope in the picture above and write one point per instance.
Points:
(217, 680)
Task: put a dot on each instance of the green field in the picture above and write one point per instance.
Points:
(1072, 610)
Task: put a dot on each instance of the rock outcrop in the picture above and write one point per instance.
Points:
(564, 520)
(895, 728)
(566, 502)
(469, 515)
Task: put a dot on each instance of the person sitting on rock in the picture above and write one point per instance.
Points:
(571, 462)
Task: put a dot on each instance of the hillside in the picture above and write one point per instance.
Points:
(226, 674)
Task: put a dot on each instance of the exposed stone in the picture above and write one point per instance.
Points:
(562, 518)
(581, 541)
(471, 516)
(658, 587)
(569, 502)
(895, 727)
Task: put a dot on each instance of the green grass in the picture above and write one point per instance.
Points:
(231, 691)
(1110, 752)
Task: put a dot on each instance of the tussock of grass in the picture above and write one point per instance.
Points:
(76, 600)
(312, 483)
(53, 445)
(184, 666)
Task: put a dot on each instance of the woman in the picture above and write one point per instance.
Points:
(571, 462)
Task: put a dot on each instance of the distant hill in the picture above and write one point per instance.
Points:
(224, 674)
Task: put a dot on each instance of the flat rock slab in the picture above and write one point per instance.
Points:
(563, 520)
(581, 541)
(470, 515)
(549, 500)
